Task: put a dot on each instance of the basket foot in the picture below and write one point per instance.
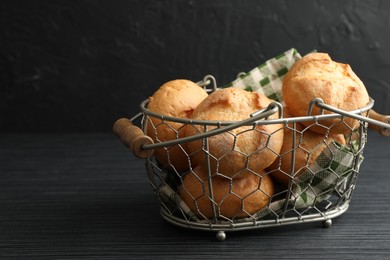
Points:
(221, 235)
(327, 223)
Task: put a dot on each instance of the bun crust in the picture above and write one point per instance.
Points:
(176, 98)
(237, 197)
(316, 75)
(244, 147)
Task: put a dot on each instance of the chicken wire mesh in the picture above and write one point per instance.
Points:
(311, 178)
(318, 187)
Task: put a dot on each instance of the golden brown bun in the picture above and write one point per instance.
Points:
(308, 146)
(231, 152)
(237, 197)
(176, 98)
(317, 76)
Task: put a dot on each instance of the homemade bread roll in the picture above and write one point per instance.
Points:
(253, 147)
(233, 197)
(307, 147)
(176, 98)
(317, 76)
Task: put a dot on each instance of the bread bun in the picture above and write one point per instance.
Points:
(232, 197)
(308, 146)
(176, 98)
(252, 147)
(316, 75)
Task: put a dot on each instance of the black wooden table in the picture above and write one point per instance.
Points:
(86, 196)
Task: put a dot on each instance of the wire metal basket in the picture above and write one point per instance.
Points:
(317, 189)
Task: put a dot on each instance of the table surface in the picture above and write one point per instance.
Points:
(86, 196)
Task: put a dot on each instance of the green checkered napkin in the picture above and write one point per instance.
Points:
(173, 202)
(267, 78)
(328, 175)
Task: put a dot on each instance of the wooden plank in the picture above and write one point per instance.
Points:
(86, 196)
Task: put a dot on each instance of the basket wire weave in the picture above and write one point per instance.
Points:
(285, 206)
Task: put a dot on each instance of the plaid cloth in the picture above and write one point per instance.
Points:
(267, 78)
(328, 175)
(173, 202)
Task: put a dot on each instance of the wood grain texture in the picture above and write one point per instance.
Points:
(85, 196)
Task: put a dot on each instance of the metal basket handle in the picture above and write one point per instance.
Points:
(376, 121)
(142, 145)
(132, 137)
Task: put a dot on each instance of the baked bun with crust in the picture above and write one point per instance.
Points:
(308, 146)
(316, 75)
(252, 147)
(177, 98)
(233, 197)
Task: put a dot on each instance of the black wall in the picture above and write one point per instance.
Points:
(76, 66)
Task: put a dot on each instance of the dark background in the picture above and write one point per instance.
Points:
(76, 66)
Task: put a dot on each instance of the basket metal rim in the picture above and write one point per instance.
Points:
(265, 121)
(257, 119)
